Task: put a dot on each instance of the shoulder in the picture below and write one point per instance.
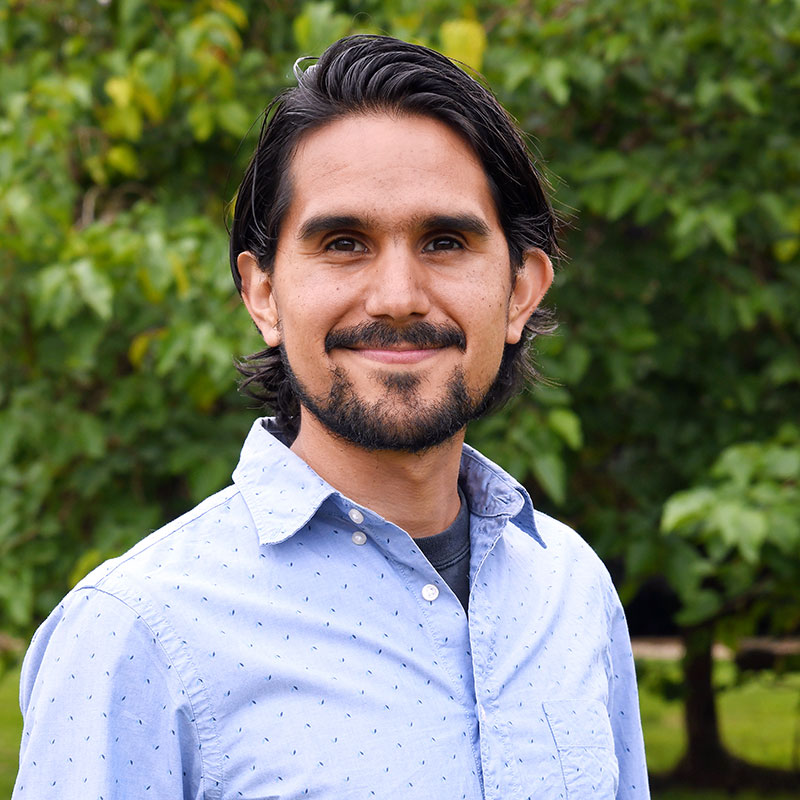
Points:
(569, 561)
(202, 530)
(132, 602)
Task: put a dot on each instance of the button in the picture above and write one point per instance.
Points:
(355, 515)
(359, 537)
(481, 713)
(430, 592)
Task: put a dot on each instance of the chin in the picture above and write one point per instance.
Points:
(400, 419)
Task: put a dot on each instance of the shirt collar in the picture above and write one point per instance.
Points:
(283, 493)
(492, 492)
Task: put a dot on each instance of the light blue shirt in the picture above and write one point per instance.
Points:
(281, 641)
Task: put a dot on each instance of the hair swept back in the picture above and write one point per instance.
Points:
(365, 74)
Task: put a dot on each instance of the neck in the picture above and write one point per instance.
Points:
(418, 492)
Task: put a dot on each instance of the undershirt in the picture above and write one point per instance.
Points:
(448, 552)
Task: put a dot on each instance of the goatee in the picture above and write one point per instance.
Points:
(400, 420)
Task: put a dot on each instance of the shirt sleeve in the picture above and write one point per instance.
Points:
(105, 714)
(623, 711)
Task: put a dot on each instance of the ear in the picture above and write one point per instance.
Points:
(532, 281)
(259, 298)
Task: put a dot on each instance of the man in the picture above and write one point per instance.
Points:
(372, 609)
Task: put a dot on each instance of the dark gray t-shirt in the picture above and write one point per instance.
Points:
(448, 552)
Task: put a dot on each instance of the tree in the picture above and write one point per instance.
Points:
(669, 132)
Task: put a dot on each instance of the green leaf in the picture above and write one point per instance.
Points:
(94, 287)
(739, 463)
(739, 526)
(744, 92)
(201, 120)
(122, 157)
(699, 607)
(549, 470)
(463, 40)
(782, 463)
(318, 26)
(567, 425)
(625, 193)
(553, 75)
(723, 227)
(686, 508)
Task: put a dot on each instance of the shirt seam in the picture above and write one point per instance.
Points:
(558, 753)
(205, 777)
(228, 493)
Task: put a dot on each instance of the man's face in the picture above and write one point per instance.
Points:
(391, 292)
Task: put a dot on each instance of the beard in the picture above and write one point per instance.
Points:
(400, 420)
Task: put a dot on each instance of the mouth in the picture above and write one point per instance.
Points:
(388, 344)
(396, 355)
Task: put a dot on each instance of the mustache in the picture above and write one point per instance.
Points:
(377, 335)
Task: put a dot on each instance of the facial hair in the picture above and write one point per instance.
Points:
(400, 420)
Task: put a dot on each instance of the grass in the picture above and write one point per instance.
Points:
(759, 718)
(759, 715)
(10, 729)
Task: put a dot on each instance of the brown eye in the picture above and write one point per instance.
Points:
(346, 245)
(442, 243)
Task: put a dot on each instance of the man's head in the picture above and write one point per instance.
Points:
(398, 94)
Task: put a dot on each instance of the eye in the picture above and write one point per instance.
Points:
(344, 244)
(442, 243)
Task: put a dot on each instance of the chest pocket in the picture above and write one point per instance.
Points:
(585, 744)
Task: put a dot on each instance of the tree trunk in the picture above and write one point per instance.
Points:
(706, 761)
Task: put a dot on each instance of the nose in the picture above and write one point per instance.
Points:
(397, 287)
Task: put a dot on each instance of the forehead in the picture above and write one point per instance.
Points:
(387, 167)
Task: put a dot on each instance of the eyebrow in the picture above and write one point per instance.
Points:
(464, 223)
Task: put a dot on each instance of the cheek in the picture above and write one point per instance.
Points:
(486, 335)
(307, 315)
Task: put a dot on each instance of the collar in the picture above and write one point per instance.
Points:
(283, 493)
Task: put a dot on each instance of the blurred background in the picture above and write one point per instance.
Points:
(667, 430)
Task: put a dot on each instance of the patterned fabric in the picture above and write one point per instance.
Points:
(448, 552)
(280, 641)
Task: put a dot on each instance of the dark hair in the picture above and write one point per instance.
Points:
(367, 74)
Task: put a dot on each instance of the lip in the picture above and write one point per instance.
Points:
(390, 356)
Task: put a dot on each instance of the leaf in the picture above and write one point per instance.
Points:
(317, 26)
(686, 508)
(741, 527)
(698, 607)
(567, 425)
(86, 562)
(738, 463)
(233, 118)
(122, 157)
(120, 90)
(233, 11)
(140, 344)
(625, 193)
(743, 91)
(782, 463)
(550, 472)
(94, 287)
(722, 224)
(201, 120)
(786, 249)
(553, 76)
(464, 40)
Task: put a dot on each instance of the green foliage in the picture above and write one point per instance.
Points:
(669, 131)
(744, 528)
(758, 717)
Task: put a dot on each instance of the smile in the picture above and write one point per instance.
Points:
(397, 355)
